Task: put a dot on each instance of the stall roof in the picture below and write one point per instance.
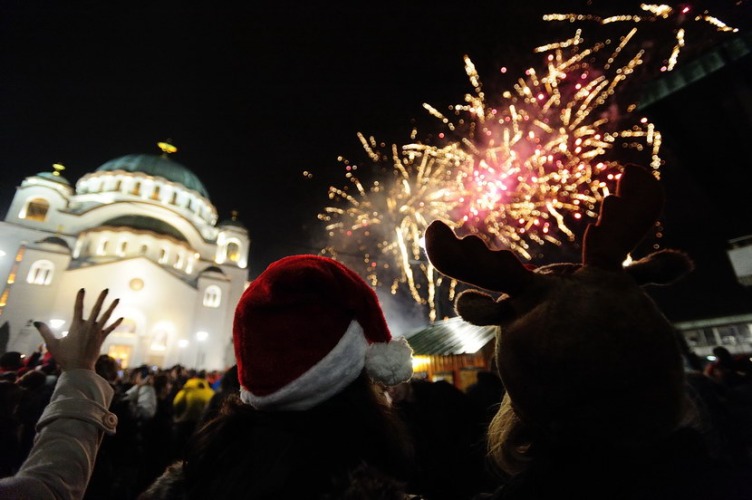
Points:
(450, 336)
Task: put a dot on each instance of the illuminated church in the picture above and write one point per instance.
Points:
(142, 226)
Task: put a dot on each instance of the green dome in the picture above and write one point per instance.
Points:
(231, 222)
(158, 166)
(54, 178)
(146, 223)
(55, 240)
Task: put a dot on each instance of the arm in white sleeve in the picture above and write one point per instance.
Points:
(69, 433)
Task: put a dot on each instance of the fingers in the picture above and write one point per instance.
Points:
(78, 308)
(45, 332)
(78, 311)
(109, 329)
(98, 305)
(106, 316)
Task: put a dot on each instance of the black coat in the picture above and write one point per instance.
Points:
(365, 482)
(679, 468)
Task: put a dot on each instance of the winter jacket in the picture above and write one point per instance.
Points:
(677, 468)
(68, 436)
(364, 482)
(190, 402)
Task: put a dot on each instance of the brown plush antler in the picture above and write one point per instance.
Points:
(471, 261)
(569, 334)
(624, 219)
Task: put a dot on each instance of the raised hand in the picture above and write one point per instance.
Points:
(81, 347)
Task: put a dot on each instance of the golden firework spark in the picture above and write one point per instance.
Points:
(382, 225)
(526, 167)
(539, 159)
(669, 21)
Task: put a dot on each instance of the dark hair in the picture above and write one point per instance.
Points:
(246, 453)
(107, 368)
(721, 353)
(230, 382)
(32, 380)
(160, 383)
(11, 360)
(10, 397)
(143, 370)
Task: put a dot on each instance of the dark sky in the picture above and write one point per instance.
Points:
(252, 93)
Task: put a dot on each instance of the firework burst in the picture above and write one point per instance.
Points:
(538, 159)
(521, 169)
(379, 228)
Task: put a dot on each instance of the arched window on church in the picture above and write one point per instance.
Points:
(232, 251)
(118, 185)
(40, 273)
(103, 246)
(136, 191)
(212, 296)
(35, 209)
(155, 193)
(77, 250)
(179, 260)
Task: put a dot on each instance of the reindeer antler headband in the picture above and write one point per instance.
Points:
(624, 220)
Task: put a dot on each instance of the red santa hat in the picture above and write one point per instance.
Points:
(305, 329)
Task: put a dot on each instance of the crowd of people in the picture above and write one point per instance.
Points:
(592, 395)
(157, 411)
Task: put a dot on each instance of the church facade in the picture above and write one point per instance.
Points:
(143, 227)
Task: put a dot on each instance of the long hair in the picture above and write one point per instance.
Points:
(246, 453)
(514, 444)
(509, 440)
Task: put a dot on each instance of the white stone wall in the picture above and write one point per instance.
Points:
(160, 280)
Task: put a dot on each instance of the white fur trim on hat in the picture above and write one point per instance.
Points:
(323, 380)
(390, 363)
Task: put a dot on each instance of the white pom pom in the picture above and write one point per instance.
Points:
(390, 363)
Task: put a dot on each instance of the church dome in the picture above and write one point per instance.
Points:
(54, 177)
(213, 269)
(158, 166)
(231, 223)
(143, 223)
(55, 240)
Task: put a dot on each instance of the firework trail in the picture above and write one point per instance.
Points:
(539, 159)
(655, 26)
(379, 228)
(521, 169)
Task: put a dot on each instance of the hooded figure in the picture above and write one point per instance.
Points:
(592, 369)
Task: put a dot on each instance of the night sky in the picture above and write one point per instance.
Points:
(255, 93)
